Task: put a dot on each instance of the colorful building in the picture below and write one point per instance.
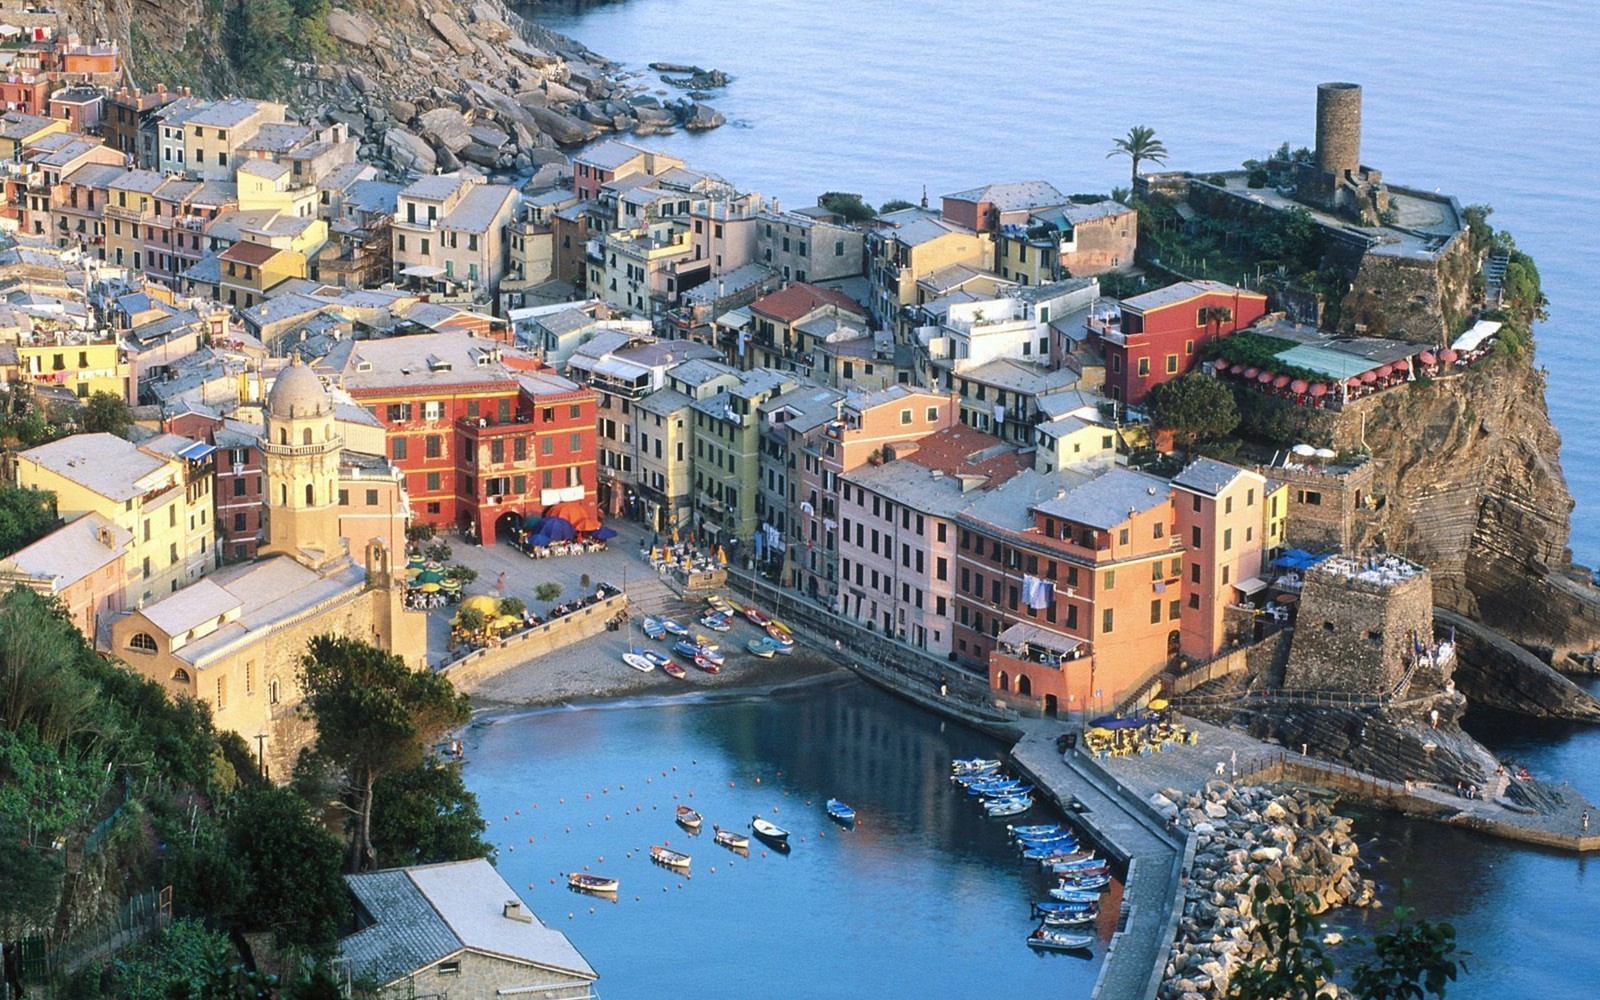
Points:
(1223, 518)
(1156, 337)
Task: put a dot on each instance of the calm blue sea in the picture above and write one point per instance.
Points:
(1492, 102)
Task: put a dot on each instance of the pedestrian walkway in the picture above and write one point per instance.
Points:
(1128, 830)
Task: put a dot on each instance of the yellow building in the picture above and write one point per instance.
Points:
(251, 270)
(76, 365)
(18, 130)
(910, 245)
(1276, 512)
(160, 492)
(212, 135)
(269, 184)
(1074, 440)
(235, 639)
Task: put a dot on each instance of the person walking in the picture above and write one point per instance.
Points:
(1586, 821)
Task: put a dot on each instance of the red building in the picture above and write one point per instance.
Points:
(1157, 336)
(483, 437)
(238, 496)
(26, 94)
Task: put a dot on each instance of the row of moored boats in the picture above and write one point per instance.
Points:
(1079, 876)
(700, 649)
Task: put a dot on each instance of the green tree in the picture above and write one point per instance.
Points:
(26, 515)
(106, 413)
(32, 878)
(1215, 316)
(374, 716)
(1412, 959)
(513, 606)
(471, 620)
(1193, 407)
(1139, 145)
(291, 867)
(184, 962)
(426, 815)
(438, 552)
(548, 592)
(1478, 228)
(896, 205)
(849, 206)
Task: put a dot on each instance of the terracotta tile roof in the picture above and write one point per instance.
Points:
(960, 450)
(250, 253)
(789, 304)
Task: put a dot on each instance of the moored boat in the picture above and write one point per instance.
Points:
(780, 634)
(689, 818)
(663, 855)
(653, 629)
(1038, 830)
(708, 666)
(841, 813)
(1008, 807)
(720, 605)
(1074, 896)
(755, 616)
(686, 647)
(731, 840)
(671, 669)
(770, 832)
(673, 628)
(1058, 856)
(1086, 883)
(1065, 906)
(639, 662)
(966, 765)
(1058, 940)
(1078, 919)
(659, 659)
(715, 622)
(708, 649)
(591, 883)
(763, 647)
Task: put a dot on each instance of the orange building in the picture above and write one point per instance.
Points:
(1220, 518)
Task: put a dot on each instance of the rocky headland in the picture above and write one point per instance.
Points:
(1245, 836)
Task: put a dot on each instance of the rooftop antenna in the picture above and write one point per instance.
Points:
(924, 196)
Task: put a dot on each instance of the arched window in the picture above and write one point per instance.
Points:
(283, 435)
(1024, 686)
(180, 676)
(305, 436)
(274, 691)
(309, 500)
(1005, 681)
(142, 642)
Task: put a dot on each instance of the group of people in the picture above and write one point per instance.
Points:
(419, 600)
(1160, 733)
(564, 548)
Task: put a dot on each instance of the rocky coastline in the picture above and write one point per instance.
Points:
(1245, 835)
(433, 88)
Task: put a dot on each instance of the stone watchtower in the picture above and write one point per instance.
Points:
(300, 454)
(1360, 624)
(1335, 180)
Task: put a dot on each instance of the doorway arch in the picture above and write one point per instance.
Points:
(1005, 681)
(1051, 705)
(1024, 685)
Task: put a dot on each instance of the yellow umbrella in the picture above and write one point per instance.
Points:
(1099, 733)
(481, 602)
(429, 588)
(450, 583)
(722, 555)
(1158, 704)
(412, 572)
(507, 621)
(674, 536)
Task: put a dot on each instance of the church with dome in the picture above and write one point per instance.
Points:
(330, 563)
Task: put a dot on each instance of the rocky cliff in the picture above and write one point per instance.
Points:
(425, 85)
(1469, 474)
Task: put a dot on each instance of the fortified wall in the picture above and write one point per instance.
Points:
(1359, 624)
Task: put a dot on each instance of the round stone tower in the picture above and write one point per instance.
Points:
(300, 457)
(1339, 129)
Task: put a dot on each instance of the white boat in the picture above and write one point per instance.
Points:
(1008, 807)
(734, 841)
(1055, 940)
(1078, 919)
(663, 855)
(591, 883)
(638, 662)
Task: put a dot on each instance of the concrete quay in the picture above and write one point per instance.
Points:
(1126, 828)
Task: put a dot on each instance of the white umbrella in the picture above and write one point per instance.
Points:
(1327, 453)
(1304, 450)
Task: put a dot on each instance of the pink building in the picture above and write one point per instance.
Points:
(866, 424)
(1218, 511)
(897, 536)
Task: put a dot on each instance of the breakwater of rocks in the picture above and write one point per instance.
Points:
(1245, 835)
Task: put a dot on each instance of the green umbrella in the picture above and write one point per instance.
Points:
(415, 562)
(430, 576)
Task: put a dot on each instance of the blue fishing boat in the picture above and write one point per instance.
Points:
(686, 647)
(1008, 807)
(841, 813)
(1047, 840)
(763, 647)
(653, 629)
(1052, 853)
(966, 765)
(1082, 919)
(1038, 830)
(1086, 883)
(673, 627)
(1062, 906)
(1074, 896)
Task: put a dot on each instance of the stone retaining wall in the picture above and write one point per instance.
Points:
(481, 665)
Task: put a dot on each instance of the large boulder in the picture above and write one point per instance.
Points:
(351, 27)
(564, 129)
(445, 127)
(447, 28)
(486, 24)
(408, 151)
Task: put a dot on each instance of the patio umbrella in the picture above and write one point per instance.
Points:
(1318, 389)
(540, 540)
(450, 583)
(1251, 372)
(1281, 381)
(412, 572)
(558, 529)
(429, 576)
(1298, 386)
(1265, 378)
(1219, 365)
(1368, 376)
(1384, 371)
(1403, 365)
(415, 562)
(1304, 450)
(1099, 732)
(586, 523)
(482, 603)
(570, 510)
(1354, 383)
(1326, 453)
(532, 522)
(506, 621)
(1448, 355)
(1158, 704)
(429, 588)
(605, 534)
(1427, 358)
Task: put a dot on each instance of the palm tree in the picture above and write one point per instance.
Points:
(1215, 316)
(1139, 145)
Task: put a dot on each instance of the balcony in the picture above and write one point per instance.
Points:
(1109, 330)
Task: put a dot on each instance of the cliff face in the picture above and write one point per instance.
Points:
(1471, 479)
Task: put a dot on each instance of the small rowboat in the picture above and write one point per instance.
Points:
(708, 649)
(638, 662)
(841, 813)
(673, 628)
(663, 855)
(732, 841)
(773, 834)
(1057, 940)
(720, 605)
(686, 647)
(1008, 807)
(707, 665)
(715, 622)
(1065, 842)
(591, 883)
(763, 647)
(653, 629)
(968, 765)
(1086, 883)
(1062, 906)
(980, 778)
(781, 634)
(661, 660)
(1060, 857)
(1091, 869)
(755, 616)
(689, 818)
(1071, 919)
(1045, 839)
(1005, 790)
(1074, 896)
(1038, 830)
(671, 669)
(1083, 865)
